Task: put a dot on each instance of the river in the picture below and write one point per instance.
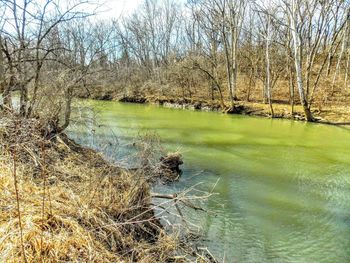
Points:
(283, 187)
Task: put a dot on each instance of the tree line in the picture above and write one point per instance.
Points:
(293, 51)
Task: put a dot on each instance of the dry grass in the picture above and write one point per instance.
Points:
(73, 206)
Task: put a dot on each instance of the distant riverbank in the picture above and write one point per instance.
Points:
(335, 115)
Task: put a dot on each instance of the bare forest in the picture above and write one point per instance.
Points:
(63, 202)
(222, 51)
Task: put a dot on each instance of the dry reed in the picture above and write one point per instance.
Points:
(96, 212)
(67, 204)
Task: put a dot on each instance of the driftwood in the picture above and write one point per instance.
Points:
(190, 198)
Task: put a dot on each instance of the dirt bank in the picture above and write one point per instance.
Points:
(337, 115)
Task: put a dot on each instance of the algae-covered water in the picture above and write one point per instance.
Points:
(283, 186)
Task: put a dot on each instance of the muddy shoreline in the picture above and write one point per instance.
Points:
(339, 115)
(241, 107)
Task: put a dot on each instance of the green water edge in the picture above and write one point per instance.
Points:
(283, 187)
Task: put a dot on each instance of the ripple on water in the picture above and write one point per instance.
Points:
(284, 187)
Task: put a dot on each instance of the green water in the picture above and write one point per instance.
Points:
(283, 189)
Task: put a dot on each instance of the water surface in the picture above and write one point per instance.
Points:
(283, 189)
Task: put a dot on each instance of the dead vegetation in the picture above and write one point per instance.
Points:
(60, 202)
(154, 161)
(170, 164)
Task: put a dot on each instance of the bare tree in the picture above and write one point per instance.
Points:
(232, 13)
(344, 43)
(202, 49)
(294, 11)
(27, 43)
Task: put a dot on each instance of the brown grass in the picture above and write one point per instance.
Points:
(73, 205)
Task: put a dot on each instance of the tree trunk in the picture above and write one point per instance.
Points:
(250, 83)
(234, 40)
(23, 100)
(297, 60)
(6, 89)
(291, 88)
(267, 57)
(229, 67)
(342, 49)
(68, 109)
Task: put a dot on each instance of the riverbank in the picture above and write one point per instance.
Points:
(338, 114)
(63, 202)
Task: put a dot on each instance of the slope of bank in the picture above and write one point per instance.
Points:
(337, 114)
(61, 202)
